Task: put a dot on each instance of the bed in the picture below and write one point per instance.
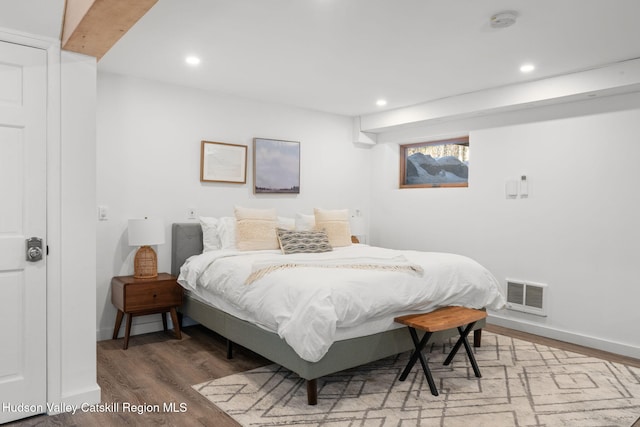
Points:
(344, 353)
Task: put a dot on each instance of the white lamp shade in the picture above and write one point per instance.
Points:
(146, 232)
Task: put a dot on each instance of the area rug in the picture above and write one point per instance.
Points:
(522, 384)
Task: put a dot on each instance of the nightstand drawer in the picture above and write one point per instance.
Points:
(149, 296)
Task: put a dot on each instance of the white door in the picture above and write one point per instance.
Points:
(23, 97)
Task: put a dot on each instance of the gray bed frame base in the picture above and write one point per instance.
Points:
(187, 241)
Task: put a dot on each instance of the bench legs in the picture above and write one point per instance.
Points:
(417, 354)
(420, 345)
(463, 340)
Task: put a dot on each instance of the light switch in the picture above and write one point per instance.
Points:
(103, 213)
(524, 187)
(511, 189)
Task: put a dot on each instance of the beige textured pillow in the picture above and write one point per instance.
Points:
(336, 224)
(256, 229)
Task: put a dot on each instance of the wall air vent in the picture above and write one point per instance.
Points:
(526, 297)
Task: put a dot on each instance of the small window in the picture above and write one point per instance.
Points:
(443, 163)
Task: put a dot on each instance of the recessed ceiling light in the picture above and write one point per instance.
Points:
(381, 102)
(503, 19)
(192, 60)
(527, 68)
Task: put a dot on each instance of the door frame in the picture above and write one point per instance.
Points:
(54, 206)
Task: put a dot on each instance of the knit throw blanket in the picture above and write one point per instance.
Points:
(397, 264)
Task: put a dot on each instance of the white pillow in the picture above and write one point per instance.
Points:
(227, 232)
(210, 237)
(256, 229)
(286, 223)
(305, 222)
(336, 225)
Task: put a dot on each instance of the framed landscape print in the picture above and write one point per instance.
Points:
(276, 166)
(221, 162)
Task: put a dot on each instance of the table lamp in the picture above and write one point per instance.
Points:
(143, 233)
(358, 227)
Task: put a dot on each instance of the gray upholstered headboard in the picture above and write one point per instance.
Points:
(186, 240)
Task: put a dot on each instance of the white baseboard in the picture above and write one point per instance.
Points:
(140, 328)
(80, 399)
(567, 336)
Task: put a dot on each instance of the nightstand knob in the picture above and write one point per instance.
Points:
(155, 295)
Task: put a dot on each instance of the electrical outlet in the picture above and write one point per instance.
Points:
(192, 213)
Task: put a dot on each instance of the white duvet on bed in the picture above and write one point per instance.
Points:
(305, 304)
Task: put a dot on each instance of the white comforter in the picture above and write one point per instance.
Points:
(305, 305)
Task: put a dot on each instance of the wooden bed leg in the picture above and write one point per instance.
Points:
(477, 337)
(312, 391)
(229, 349)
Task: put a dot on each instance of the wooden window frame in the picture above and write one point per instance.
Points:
(462, 140)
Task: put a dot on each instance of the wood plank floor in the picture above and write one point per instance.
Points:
(157, 369)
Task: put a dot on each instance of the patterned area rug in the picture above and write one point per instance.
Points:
(522, 384)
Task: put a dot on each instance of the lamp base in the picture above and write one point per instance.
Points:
(145, 263)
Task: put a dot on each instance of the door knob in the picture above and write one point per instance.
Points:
(34, 249)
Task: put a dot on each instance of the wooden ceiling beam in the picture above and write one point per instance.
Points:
(92, 27)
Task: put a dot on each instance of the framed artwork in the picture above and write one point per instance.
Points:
(221, 162)
(443, 163)
(276, 166)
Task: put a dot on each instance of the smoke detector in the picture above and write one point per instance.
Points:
(503, 19)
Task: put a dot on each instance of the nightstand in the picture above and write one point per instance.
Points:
(138, 297)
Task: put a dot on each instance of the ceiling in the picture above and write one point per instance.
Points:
(19, 15)
(340, 56)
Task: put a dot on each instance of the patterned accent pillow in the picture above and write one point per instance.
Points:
(303, 242)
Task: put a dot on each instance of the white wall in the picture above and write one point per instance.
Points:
(77, 190)
(576, 232)
(148, 164)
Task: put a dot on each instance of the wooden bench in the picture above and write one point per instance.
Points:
(440, 320)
